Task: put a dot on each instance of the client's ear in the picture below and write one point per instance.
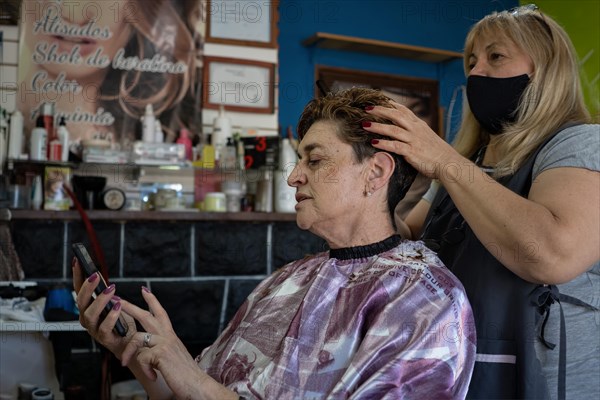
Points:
(381, 169)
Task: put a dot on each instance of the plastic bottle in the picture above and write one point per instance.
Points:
(221, 131)
(48, 118)
(39, 141)
(3, 137)
(208, 155)
(63, 138)
(36, 196)
(241, 154)
(148, 124)
(15, 137)
(228, 159)
(55, 151)
(184, 138)
(285, 195)
(264, 190)
(287, 155)
(159, 135)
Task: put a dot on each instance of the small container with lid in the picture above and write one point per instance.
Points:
(234, 191)
(215, 202)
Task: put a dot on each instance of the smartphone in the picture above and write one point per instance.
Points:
(89, 268)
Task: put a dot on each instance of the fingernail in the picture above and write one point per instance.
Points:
(109, 289)
(366, 124)
(116, 298)
(116, 306)
(374, 141)
(369, 108)
(145, 289)
(93, 277)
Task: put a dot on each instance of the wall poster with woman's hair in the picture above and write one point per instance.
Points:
(102, 61)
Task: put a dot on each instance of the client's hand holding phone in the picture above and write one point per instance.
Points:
(89, 268)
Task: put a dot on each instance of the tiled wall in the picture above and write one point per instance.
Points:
(200, 271)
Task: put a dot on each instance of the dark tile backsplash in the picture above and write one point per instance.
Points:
(231, 248)
(193, 306)
(157, 249)
(291, 243)
(109, 237)
(40, 245)
(201, 272)
(239, 289)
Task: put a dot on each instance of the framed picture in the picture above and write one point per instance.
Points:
(238, 85)
(242, 22)
(418, 94)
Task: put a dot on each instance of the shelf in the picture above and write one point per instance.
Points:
(105, 215)
(372, 46)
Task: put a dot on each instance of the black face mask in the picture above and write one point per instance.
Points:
(494, 101)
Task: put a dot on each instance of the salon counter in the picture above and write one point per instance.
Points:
(183, 215)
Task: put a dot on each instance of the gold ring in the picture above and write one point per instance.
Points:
(147, 338)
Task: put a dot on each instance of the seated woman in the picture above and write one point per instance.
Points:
(374, 317)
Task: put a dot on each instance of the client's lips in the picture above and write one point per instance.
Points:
(301, 197)
(76, 40)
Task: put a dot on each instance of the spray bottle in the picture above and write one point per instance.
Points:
(221, 131)
(184, 138)
(63, 138)
(15, 137)
(148, 125)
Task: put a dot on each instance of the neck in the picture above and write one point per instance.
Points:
(370, 228)
(490, 158)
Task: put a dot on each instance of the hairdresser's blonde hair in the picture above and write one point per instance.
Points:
(552, 98)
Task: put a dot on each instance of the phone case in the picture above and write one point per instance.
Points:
(86, 262)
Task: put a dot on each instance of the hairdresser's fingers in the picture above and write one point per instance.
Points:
(400, 115)
(392, 131)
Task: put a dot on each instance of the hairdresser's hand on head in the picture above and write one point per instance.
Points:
(89, 311)
(413, 139)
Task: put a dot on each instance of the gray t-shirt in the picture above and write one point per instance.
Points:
(577, 147)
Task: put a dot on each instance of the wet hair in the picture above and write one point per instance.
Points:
(347, 109)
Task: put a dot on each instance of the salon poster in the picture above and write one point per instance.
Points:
(101, 62)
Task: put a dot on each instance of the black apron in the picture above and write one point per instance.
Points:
(505, 306)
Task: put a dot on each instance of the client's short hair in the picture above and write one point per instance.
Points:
(347, 109)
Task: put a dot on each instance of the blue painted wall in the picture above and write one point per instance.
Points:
(431, 23)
